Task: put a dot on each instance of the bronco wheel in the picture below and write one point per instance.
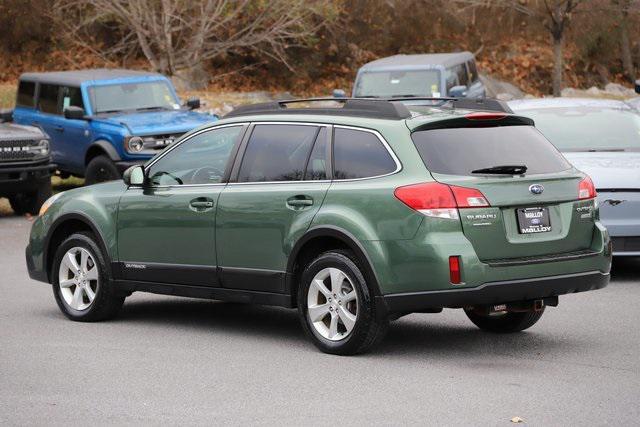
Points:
(101, 169)
(336, 306)
(505, 322)
(80, 281)
(32, 201)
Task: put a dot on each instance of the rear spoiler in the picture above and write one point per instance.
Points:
(477, 120)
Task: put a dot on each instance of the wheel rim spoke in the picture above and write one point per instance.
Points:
(333, 327)
(84, 257)
(351, 296)
(93, 273)
(90, 294)
(320, 287)
(76, 302)
(347, 318)
(318, 312)
(70, 262)
(337, 278)
(67, 283)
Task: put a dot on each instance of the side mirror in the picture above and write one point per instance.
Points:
(458, 91)
(74, 113)
(134, 175)
(193, 103)
(6, 115)
(638, 86)
(339, 93)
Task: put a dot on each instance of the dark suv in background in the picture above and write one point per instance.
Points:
(25, 165)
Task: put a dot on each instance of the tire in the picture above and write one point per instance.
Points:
(32, 201)
(101, 169)
(366, 330)
(505, 323)
(106, 303)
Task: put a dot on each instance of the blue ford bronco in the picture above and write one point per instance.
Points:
(103, 121)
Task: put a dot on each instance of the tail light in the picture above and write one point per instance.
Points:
(485, 116)
(454, 270)
(586, 189)
(440, 200)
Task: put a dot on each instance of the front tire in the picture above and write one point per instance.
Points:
(81, 284)
(505, 323)
(101, 169)
(31, 202)
(336, 307)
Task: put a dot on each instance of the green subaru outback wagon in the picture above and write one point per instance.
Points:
(355, 214)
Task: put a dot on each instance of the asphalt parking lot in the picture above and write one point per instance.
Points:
(185, 361)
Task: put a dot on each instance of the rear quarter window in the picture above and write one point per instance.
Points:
(459, 151)
(360, 154)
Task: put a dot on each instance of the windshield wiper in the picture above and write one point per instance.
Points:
(503, 170)
(151, 108)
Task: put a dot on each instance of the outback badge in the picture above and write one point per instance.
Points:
(536, 188)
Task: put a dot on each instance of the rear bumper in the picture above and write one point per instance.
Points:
(494, 292)
(626, 245)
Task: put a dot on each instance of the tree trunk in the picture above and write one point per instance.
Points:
(625, 46)
(558, 64)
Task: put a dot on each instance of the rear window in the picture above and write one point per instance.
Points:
(48, 99)
(460, 151)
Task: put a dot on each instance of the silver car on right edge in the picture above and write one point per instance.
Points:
(601, 138)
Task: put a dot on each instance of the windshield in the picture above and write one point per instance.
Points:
(473, 151)
(398, 83)
(588, 128)
(132, 96)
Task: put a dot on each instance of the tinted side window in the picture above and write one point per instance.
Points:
(277, 153)
(473, 71)
(26, 93)
(48, 99)
(359, 154)
(200, 160)
(71, 97)
(317, 165)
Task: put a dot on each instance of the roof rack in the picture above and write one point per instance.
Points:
(379, 108)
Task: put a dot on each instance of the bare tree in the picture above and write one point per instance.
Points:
(554, 15)
(178, 36)
(624, 8)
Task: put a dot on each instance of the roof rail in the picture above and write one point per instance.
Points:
(357, 107)
(379, 108)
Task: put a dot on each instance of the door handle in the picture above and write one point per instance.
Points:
(58, 128)
(201, 204)
(299, 201)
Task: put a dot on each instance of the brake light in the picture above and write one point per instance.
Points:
(586, 189)
(440, 200)
(454, 270)
(485, 116)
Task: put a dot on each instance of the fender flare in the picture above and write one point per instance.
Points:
(107, 147)
(345, 237)
(87, 221)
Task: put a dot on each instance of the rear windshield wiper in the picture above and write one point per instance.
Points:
(503, 170)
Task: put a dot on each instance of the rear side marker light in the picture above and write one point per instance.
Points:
(586, 189)
(438, 200)
(454, 270)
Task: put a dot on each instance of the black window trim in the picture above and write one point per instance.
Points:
(232, 157)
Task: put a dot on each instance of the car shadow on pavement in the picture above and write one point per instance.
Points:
(625, 269)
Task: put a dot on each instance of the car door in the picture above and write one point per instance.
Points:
(280, 183)
(166, 228)
(73, 135)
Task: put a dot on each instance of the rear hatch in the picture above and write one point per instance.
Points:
(532, 212)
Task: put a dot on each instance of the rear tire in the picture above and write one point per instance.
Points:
(505, 323)
(31, 202)
(81, 283)
(342, 305)
(101, 169)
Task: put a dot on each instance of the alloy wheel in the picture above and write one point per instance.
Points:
(78, 278)
(332, 304)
